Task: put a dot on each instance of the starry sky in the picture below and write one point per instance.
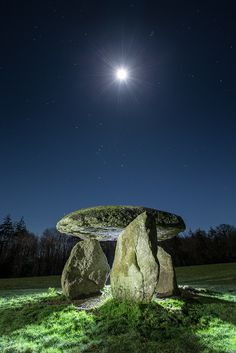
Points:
(71, 136)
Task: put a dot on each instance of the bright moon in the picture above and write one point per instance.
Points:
(121, 74)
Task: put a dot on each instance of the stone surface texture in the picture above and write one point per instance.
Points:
(166, 285)
(107, 222)
(85, 271)
(135, 269)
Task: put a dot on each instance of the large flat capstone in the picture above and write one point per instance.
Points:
(107, 222)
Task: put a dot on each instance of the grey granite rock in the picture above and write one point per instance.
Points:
(85, 271)
(134, 273)
(166, 285)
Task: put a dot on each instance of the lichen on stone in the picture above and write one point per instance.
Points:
(107, 222)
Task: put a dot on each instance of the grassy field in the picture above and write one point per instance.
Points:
(218, 277)
(28, 285)
(41, 320)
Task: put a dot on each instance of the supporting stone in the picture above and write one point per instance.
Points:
(166, 285)
(135, 269)
(85, 271)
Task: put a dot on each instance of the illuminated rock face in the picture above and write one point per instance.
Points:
(86, 270)
(135, 269)
(166, 285)
(105, 223)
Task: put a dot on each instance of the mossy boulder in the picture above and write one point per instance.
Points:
(107, 222)
(85, 271)
(135, 269)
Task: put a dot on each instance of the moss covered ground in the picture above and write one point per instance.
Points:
(47, 322)
(196, 322)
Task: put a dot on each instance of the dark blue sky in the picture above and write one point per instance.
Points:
(70, 137)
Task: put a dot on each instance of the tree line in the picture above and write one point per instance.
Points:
(22, 253)
(218, 245)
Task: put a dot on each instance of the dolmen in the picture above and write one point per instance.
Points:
(141, 267)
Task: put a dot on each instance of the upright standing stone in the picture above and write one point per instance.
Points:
(135, 269)
(167, 285)
(85, 271)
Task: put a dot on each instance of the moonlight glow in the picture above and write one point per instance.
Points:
(121, 74)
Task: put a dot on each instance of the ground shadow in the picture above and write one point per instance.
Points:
(210, 305)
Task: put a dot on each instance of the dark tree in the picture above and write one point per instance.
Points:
(20, 227)
(6, 229)
(53, 251)
(6, 238)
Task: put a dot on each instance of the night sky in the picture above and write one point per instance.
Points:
(71, 136)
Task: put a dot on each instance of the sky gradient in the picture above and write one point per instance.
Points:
(72, 137)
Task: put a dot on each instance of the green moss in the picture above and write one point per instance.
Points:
(120, 216)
